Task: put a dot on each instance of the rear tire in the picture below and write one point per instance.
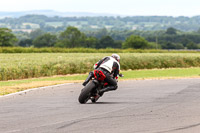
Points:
(86, 92)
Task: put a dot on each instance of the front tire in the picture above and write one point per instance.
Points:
(86, 92)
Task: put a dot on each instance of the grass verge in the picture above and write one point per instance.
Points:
(7, 87)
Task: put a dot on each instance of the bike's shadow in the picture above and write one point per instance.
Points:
(107, 103)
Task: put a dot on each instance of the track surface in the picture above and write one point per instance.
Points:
(143, 106)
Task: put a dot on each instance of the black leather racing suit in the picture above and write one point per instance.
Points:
(110, 67)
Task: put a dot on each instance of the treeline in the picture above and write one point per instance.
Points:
(55, 24)
(72, 37)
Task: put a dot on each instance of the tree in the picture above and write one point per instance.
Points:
(101, 33)
(198, 31)
(91, 42)
(46, 40)
(185, 41)
(171, 31)
(118, 44)
(34, 34)
(136, 42)
(105, 42)
(153, 45)
(179, 46)
(71, 38)
(170, 45)
(25, 42)
(7, 38)
(192, 45)
(198, 46)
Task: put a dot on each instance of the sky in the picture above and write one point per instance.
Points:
(119, 7)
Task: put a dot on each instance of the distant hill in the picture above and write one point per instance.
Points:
(52, 21)
(52, 13)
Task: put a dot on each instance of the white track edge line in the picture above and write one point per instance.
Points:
(33, 89)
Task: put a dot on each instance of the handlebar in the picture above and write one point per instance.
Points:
(121, 75)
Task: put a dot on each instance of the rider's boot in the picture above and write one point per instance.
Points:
(88, 78)
(95, 98)
(108, 88)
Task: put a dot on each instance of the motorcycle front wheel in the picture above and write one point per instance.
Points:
(86, 93)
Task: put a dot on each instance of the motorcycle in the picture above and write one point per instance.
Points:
(91, 90)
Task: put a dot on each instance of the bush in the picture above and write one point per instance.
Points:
(87, 50)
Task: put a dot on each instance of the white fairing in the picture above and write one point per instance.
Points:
(108, 65)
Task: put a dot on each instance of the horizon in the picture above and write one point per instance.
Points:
(122, 8)
(102, 14)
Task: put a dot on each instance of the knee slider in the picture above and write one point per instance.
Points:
(115, 87)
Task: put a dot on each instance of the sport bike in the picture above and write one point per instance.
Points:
(91, 90)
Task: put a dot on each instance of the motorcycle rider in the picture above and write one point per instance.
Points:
(110, 67)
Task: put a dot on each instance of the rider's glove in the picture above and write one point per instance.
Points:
(116, 78)
(95, 66)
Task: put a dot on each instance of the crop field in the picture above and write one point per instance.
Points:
(54, 24)
(30, 65)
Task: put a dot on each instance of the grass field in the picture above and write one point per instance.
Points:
(12, 86)
(20, 71)
(34, 65)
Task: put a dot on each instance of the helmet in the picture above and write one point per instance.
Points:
(116, 56)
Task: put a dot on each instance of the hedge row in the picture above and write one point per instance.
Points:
(87, 50)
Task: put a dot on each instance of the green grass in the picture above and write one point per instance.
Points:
(57, 78)
(33, 65)
(162, 73)
(12, 86)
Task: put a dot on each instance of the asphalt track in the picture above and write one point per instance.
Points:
(138, 106)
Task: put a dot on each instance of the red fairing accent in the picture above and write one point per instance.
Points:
(99, 75)
(105, 84)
